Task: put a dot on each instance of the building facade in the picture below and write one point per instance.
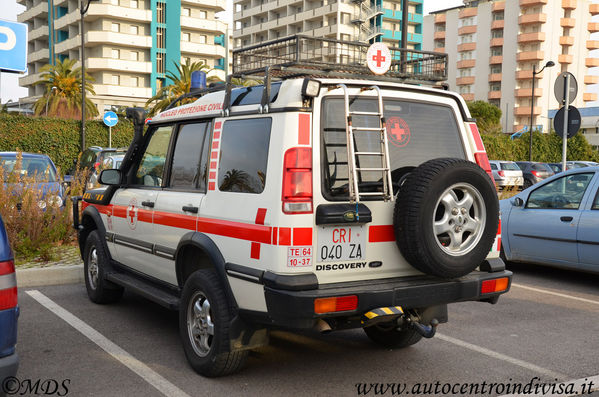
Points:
(257, 21)
(493, 46)
(130, 44)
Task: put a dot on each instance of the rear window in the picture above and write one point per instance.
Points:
(417, 132)
(493, 166)
(542, 167)
(510, 167)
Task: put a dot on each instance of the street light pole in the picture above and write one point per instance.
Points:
(532, 101)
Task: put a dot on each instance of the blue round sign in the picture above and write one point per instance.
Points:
(110, 119)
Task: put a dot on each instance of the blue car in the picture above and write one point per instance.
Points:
(555, 222)
(9, 311)
(40, 167)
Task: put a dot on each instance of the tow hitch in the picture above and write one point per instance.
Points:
(428, 331)
(401, 318)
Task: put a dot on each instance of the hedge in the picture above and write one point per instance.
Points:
(545, 147)
(58, 138)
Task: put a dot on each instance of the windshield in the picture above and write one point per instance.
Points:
(39, 168)
(416, 133)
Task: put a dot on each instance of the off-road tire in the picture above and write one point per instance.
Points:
(387, 335)
(421, 210)
(218, 360)
(98, 288)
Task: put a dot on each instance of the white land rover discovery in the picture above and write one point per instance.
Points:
(326, 198)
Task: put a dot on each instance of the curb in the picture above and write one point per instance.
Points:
(55, 275)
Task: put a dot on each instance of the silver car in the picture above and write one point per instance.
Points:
(506, 173)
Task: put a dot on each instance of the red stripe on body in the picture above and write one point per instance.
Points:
(381, 234)
(175, 220)
(242, 231)
(211, 186)
(302, 236)
(260, 215)
(216, 135)
(303, 137)
(284, 236)
(275, 235)
(217, 125)
(255, 251)
(215, 145)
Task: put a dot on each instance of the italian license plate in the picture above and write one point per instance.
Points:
(341, 243)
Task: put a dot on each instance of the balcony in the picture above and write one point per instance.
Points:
(440, 49)
(119, 65)
(530, 19)
(203, 49)
(525, 111)
(204, 25)
(468, 12)
(30, 79)
(467, 30)
(496, 42)
(439, 35)
(588, 79)
(494, 95)
(496, 59)
(593, 27)
(39, 33)
(531, 37)
(566, 40)
(594, 9)
(40, 10)
(217, 5)
(567, 22)
(468, 97)
(38, 55)
(99, 11)
(122, 39)
(589, 96)
(530, 56)
(593, 44)
(440, 18)
(498, 6)
(122, 91)
(465, 80)
(527, 92)
(569, 4)
(494, 77)
(467, 47)
(527, 75)
(497, 24)
(592, 62)
(532, 3)
(467, 63)
(565, 59)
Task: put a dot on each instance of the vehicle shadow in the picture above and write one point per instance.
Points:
(552, 277)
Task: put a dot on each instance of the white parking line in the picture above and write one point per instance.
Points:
(575, 387)
(544, 291)
(149, 375)
(547, 372)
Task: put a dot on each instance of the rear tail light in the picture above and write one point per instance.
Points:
(480, 155)
(335, 304)
(501, 173)
(8, 295)
(96, 165)
(495, 285)
(297, 181)
(536, 173)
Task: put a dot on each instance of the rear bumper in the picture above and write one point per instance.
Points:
(295, 309)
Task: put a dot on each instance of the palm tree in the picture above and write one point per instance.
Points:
(181, 84)
(62, 97)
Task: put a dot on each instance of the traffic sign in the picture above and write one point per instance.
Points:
(574, 120)
(110, 119)
(558, 88)
(13, 46)
(378, 58)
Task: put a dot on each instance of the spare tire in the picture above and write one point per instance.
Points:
(446, 217)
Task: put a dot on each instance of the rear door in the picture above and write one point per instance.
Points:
(418, 130)
(588, 238)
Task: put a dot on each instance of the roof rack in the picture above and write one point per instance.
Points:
(304, 56)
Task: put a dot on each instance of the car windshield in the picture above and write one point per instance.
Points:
(510, 167)
(39, 168)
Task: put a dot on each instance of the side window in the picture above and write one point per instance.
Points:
(596, 202)
(190, 164)
(493, 166)
(562, 193)
(244, 155)
(151, 167)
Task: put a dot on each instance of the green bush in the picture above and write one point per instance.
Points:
(58, 138)
(545, 147)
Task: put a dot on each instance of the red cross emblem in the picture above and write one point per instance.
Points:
(398, 131)
(378, 58)
(132, 214)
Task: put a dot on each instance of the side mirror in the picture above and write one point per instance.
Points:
(518, 202)
(110, 177)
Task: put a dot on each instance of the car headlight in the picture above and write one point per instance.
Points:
(42, 204)
(55, 201)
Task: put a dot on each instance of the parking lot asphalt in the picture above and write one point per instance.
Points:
(544, 330)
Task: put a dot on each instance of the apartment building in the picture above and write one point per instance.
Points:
(493, 46)
(351, 20)
(130, 44)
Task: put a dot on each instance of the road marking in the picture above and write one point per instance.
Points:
(567, 390)
(544, 291)
(149, 375)
(547, 372)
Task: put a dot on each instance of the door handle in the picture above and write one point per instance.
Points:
(189, 208)
(148, 204)
(566, 218)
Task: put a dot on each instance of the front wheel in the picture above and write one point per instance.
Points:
(204, 318)
(390, 336)
(95, 263)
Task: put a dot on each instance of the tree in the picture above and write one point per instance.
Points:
(181, 84)
(62, 96)
(487, 116)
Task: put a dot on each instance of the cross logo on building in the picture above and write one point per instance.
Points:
(378, 58)
(132, 214)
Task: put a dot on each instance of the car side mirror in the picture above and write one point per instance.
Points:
(110, 177)
(518, 202)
